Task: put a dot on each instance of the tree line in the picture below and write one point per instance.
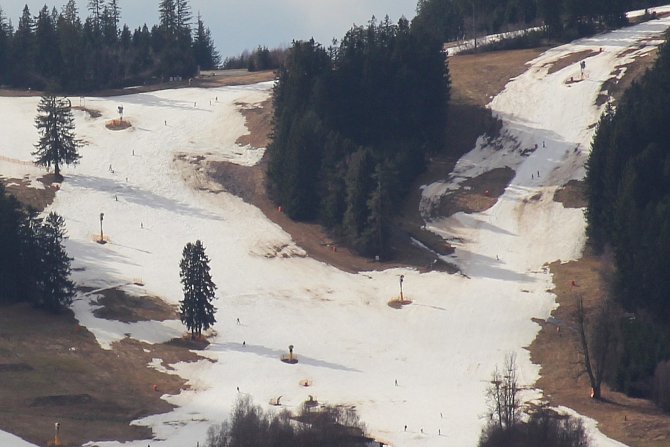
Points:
(55, 50)
(353, 125)
(260, 59)
(628, 214)
(451, 20)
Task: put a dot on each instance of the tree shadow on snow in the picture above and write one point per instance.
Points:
(138, 196)
(480, 266)
(277, 354)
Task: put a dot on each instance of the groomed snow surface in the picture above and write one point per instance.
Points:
(351, 345)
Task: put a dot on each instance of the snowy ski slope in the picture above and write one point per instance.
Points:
(351, 345)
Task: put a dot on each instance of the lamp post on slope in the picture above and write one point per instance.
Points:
(102, 240)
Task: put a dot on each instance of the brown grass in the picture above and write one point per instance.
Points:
(258, 118)
(615, 88)
(58, 372)
(572, 194)
(635, 422)
(120, 306)
(569, 59)
(38, 198)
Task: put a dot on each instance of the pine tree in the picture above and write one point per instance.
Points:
(47, 50)
(114, 13)
(57, 144)
(168, 18)
(96, 8)
(205, 54)
(11, 243)
(196, 310)
(55, 287)
(183, 17)
(4, 47)
(23, 46)
(70, 12)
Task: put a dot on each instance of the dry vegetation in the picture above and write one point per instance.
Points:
(37, 198)
(635, 422)
(52, 369)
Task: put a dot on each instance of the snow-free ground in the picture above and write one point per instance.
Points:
(351, 345)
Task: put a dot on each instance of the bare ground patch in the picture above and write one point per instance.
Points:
(635, 422)
(572, 195)
(37, 198)
(477, 78)
(58, 372)
(118, 124)
(120, 306)
(93, 113)
(476, 194)
(617, 85)
(569, 59)
(259, 118)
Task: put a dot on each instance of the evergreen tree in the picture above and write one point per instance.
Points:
(204, 52)
(196, 310)
(96, 8)
(11, 219)
(55, 287)
(183, 17)
(57, 144)
(168, 18)
(47, 50)
(70, 12)
(114, 13)
(4, 47)
(23, 46)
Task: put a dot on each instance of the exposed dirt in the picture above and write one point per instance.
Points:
(54, 370)
(38, 198)
(477, 78)
(120, 306)
(259, 118)
(118, 124)
(570, 59)
(635, 422)
(615, 88)
(572, 195)
(476, 194)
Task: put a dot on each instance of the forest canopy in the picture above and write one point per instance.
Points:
(353, 125)
(55, 50)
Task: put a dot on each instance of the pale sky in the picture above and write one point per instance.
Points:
(244, 24)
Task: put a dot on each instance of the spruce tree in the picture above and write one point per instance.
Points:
(57, 143)
(205, 55)
(4, 46)
(168, 18)
(23, 48)
(196, 310)
(11, 218)
(96, 8)
(55, 289)
(183, 17)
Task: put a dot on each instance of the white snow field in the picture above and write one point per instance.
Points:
(351, 345)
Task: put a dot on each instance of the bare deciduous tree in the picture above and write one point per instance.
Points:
(503, 395)
(595, 340)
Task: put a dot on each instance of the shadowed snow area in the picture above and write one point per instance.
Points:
(351, 345)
